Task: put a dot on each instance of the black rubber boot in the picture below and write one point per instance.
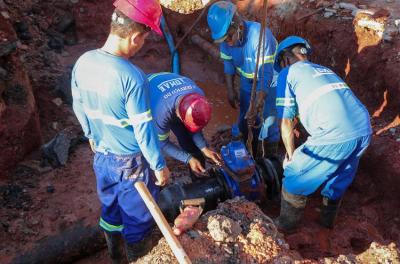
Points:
(329, 212)
(114, 247)
(292, 209)
(138, 249)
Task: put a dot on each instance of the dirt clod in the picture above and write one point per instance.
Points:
(223, 229)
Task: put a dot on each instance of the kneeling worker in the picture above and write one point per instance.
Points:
(339, 129)
(178, 104)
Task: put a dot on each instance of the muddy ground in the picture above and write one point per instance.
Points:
(37, 201)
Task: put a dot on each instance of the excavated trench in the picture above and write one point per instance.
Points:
(37, 204)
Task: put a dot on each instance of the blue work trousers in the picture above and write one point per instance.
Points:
(123, 210)
(333, 166)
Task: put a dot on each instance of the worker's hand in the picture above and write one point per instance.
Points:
(162, 176)
(92, 145)
(195, 166)
(286, 161)
(211, 154)
(233, 98)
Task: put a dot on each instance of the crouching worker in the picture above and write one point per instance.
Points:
(178, 104)
(339, 129)
(111, 102)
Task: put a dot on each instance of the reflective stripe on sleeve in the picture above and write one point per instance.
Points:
(163, 137)
(283, 101)
(141, 118)
(225, 57)
(267, 60)
(109, 227)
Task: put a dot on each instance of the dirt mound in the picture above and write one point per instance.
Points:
(236, 232)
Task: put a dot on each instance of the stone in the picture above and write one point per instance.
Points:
(328, 14)
(54, 125)
(5, 14)
(223, 229)
(348, 6)
(56, 151)
(74, 1)
(392, 130)
(57, 101)
(330, 10)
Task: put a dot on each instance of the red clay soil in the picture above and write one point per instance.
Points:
(35, 203)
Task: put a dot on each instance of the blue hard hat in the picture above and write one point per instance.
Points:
(219, 19)
(286, 43)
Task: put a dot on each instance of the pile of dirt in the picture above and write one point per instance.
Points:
(236, 232)
(239, 232)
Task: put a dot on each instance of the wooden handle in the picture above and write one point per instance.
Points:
(162, 223)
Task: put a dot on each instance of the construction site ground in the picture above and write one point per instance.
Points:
(39, 201)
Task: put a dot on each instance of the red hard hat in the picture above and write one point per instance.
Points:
(195, 111)
(147, 12)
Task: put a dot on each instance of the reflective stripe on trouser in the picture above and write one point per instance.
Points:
(333, 166)
(122, 207)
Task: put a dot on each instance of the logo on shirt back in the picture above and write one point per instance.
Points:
(321, 71)
(170, 84)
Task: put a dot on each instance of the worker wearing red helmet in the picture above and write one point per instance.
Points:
(111, 102)
(178, 104)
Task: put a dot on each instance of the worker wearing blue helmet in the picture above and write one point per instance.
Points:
(339, 129)
(239, 40)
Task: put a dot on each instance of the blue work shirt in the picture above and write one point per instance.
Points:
(242, 58)
(165, 90)
(111, 102)
(326, 106)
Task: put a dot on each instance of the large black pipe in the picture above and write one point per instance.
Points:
(215, 189)
(170, 197)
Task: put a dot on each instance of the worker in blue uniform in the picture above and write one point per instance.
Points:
(111, 102)
(239, 41)
(178, 104)
(339, 129)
